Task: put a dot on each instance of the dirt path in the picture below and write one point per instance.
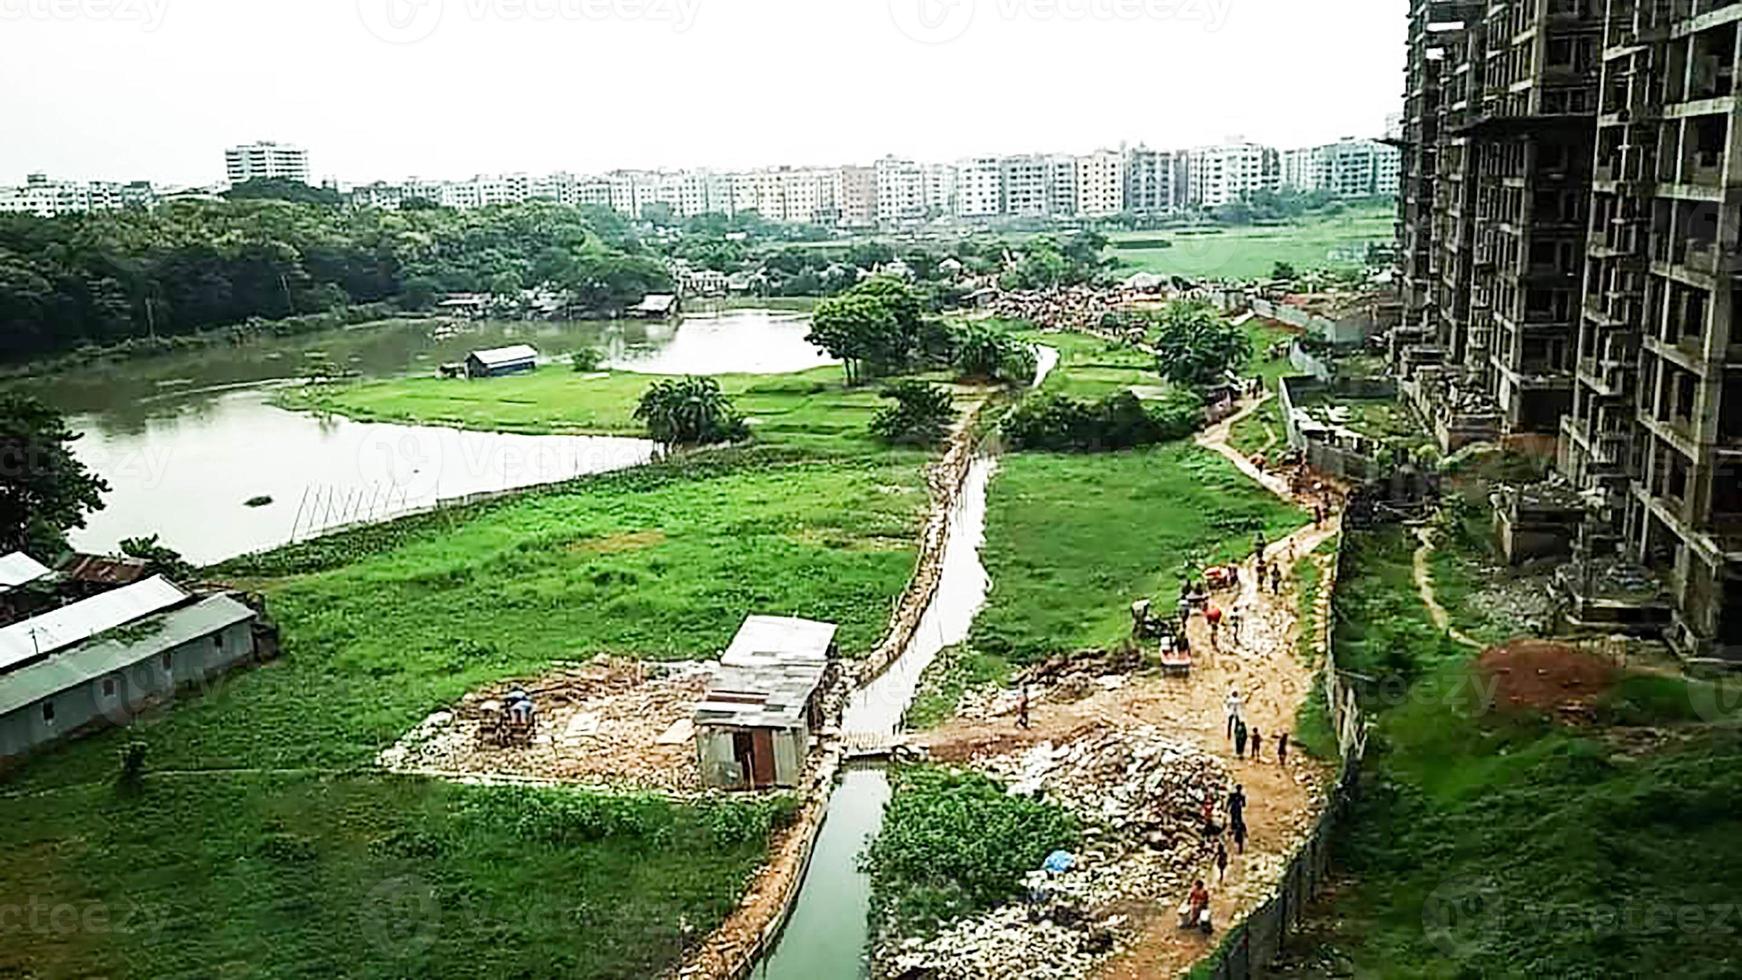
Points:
(1424, 584)
(1263, 664)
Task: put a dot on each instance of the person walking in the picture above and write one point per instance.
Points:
(1237, 805)
(1233, 705)
(1022, 708)
(1282, 749)
(1276, 579)
(1240, 735)
(1234, 624)
(1257, 745)
(1221, 862)
(1240, 835)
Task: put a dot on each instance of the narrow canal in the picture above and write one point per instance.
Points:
(827, 935)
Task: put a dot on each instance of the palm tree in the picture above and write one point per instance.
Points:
(688, 411)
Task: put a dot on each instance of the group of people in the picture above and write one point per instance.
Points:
(1195, 913)
(1243, 735)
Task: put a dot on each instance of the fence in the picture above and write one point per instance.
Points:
(1255, 943)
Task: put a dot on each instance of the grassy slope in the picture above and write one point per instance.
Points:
(1252, 252)
(1487, 845)
(281, 872)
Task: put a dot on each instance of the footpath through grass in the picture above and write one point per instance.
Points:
(292, 862)
(1492, 843)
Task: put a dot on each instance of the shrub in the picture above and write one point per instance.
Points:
(920, 416)
(689, 411)
(587, 359)
(1060, 423)
(954, 843)
(984, 353)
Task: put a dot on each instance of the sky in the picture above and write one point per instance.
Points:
(388, 89)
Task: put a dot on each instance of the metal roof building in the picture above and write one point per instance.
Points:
(501, 360)
(105, 680)
(753, 727)
(58, 629)
(19, 569)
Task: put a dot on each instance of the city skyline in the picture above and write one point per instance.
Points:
(490, 90)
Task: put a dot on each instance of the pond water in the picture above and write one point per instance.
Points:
(186, 440)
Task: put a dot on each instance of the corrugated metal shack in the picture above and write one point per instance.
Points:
(501, 360)
(99, 662)
(755, 724)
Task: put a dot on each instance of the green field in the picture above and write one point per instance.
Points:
(1072, 541)
(261, 845)
(1488, 843)
(1252, 252)
(812, 410)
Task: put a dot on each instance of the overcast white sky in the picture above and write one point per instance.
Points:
(384, 89)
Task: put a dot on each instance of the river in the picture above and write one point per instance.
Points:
(187, 440)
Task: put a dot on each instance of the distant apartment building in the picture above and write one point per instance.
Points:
(1063, 179)
(47, 198)
(980, 188)
(1221, 175)
(1101, 184)
(856, 196)
(940, 188)
(266, 161)
(1027, 182)
(1155, 180)
(1349, 168)
(900, 191)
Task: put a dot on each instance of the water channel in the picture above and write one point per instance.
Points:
(186, 440)
(828, 932)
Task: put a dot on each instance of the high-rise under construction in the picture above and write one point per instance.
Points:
(1569, 222)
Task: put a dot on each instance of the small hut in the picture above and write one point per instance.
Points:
(755, 724)
(655, 306)
(500, 361)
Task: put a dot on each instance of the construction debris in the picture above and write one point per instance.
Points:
(608, 722)
(1140, 796)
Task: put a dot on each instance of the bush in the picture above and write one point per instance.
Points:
(921, 415)
(689, 411)
(1060, 423)
(953, 844)
(983, 353)
(587, 359)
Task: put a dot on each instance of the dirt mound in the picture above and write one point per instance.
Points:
(1542, 676)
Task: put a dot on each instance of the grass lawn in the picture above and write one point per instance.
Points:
(1489, 844)
(1252, 252)
(1073, 540)
(810, 409)
(279, 871)
(1090, 368)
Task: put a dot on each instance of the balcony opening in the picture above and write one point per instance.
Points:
(1712, 63)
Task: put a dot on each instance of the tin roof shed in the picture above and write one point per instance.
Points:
(19, 569)
(58, 629)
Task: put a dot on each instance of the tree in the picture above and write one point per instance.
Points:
(920, 416)
(689, 411)
(163, 560)
(862, 332)
(44, 490)
(993, 355)
(1283, 270)
(1195, 346)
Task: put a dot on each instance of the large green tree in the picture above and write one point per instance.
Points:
(45, 490)
(689, 411)
(1195, 346)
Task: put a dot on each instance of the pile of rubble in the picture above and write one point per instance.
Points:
(1140, 795)
(606, 722)
(1063, 679)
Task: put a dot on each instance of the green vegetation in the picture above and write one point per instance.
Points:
(1195, 346)
(305, 874)
(689, 411)
(140, 278)
(921, 415)
(1335, 242)
(45, 490)
(1090, 368)
(953, 844)
(1071, 541)
(1498, 842)
(956, 671)
(1060, 423)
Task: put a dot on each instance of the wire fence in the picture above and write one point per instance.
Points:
(1250, 947)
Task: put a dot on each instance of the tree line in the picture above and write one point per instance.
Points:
(111, 278)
